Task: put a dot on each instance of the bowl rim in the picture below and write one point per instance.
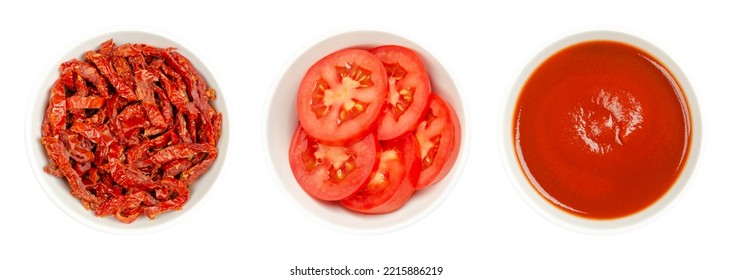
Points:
(454, 174)
(38, 96)
(526, 190)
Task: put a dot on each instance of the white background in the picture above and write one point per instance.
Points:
(247, 228)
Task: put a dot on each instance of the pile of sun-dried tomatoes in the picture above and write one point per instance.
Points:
(130, 127)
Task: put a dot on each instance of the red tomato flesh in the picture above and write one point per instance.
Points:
(342, 96)
(409, 91)
(391, 185)
(438, 136)
(332, 173)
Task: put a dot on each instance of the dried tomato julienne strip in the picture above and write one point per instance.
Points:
(80, 86)
(93, 133)
(53, 170)
(166, 109)
(91, 74)
(107, 70)
(175, 167)
(68, 77)
(106, 47)
(144, 80)
(84, 102)
(134, 141)
(138, 63)
(59, 156)
(124, 71)
(176, 203)
(196, 88)
(79, 148)
(177, 93)
(216, 123)
(56, 112)
(197, 170)
(132, 117)
(182, 129)
(179, 151)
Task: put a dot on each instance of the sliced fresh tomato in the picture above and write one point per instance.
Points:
(342, 96)
(438, 134)
(409, 91)
(332, 172)
(391, 185)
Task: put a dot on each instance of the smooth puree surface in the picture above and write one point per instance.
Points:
(602, 129)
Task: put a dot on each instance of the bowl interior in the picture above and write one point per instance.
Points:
(281, 121)
(57, 188)
(554, 214)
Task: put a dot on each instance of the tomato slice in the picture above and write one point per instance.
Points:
(409, 91)
(342, 96)
(438, 134)
(332, 172)
(391, 185)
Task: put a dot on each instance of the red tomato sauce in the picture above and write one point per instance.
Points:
(602, 129)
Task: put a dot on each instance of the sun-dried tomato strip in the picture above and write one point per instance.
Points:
(194, 83)
(56, 112)
(107, 194)
(93, 175)
(124, 72)
(216, 123)
(53, 170)
(148, 50)
(108, 71)
(84, 102)
(176, 203)
(91, 132)
(145, 149)
(106, 48)
(132, 117)
(155, 64)
(91, 74)
(126, 208)
(193, 129)
(177, 92)
(80, 86)
(98, 118)
(182, 129)
(130, 178)
(115, 153)
(67, 76)
(175, 167)
(79, 148)
(130, 128)
(139, 151)
(166, 109)
(58, 154)
(138, 62)
(126, 50)
(180, 151)
(81, 168)
(197, 170)
(144, 80)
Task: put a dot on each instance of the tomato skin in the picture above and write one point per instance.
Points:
(402, 171)
(413, 79)
(445, 125)
(325, 123)
(317, 179)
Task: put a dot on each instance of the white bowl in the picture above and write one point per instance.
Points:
(58, 189)
(553, 213)
(280, 121)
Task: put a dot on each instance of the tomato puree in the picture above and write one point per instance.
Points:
(602, 129)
